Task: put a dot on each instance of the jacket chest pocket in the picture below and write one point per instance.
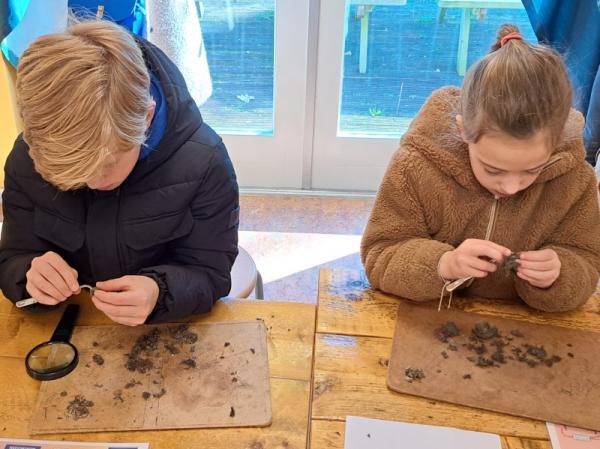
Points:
(62, 233)
(148, 240)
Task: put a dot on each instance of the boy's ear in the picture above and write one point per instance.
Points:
(151, 109)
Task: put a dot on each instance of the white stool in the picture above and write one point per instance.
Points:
(245, 277)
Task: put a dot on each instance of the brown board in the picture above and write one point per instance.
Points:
(524, 376)
(160, 377)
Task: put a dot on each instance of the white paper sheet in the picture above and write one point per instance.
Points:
(7, 443)
(364, 433)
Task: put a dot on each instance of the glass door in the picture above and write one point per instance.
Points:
(257, 55)
(316, 94)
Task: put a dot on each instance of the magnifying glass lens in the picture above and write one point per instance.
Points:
(51, 357)
(58, 357)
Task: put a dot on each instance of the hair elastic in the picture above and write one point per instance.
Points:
(509, 36)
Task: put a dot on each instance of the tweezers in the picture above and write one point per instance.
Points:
(29, 301)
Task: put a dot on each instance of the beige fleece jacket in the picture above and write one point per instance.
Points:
(429, 202)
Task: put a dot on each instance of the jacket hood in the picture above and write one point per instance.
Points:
(183, 116)
(435, 135)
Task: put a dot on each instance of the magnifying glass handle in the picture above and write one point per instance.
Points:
(65, 326)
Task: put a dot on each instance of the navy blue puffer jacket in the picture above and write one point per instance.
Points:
(175, 218)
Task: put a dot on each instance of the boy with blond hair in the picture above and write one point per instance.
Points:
(116, 182)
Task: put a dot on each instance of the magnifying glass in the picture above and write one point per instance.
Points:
(57, 357)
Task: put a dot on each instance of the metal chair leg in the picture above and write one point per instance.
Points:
(259, 291)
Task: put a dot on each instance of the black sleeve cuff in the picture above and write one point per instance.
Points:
(160, 306)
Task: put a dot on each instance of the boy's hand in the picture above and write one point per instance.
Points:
(127, 300)
(50, 279)
(472, 258)
(540, 268)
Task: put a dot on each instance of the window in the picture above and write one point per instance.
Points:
(239, 42)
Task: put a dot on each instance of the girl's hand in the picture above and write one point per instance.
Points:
(540, 268)
(127, 300)
(472, 258)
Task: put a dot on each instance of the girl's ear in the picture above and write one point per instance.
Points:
(459, 123)
(151, 109)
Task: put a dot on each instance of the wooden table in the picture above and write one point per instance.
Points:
(355, 326)
(290, 333)
(465, 22)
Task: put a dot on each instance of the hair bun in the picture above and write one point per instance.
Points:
(504, 30)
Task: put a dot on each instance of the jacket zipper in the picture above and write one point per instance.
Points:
(451, 286)
(117, 231)
(492, 221)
